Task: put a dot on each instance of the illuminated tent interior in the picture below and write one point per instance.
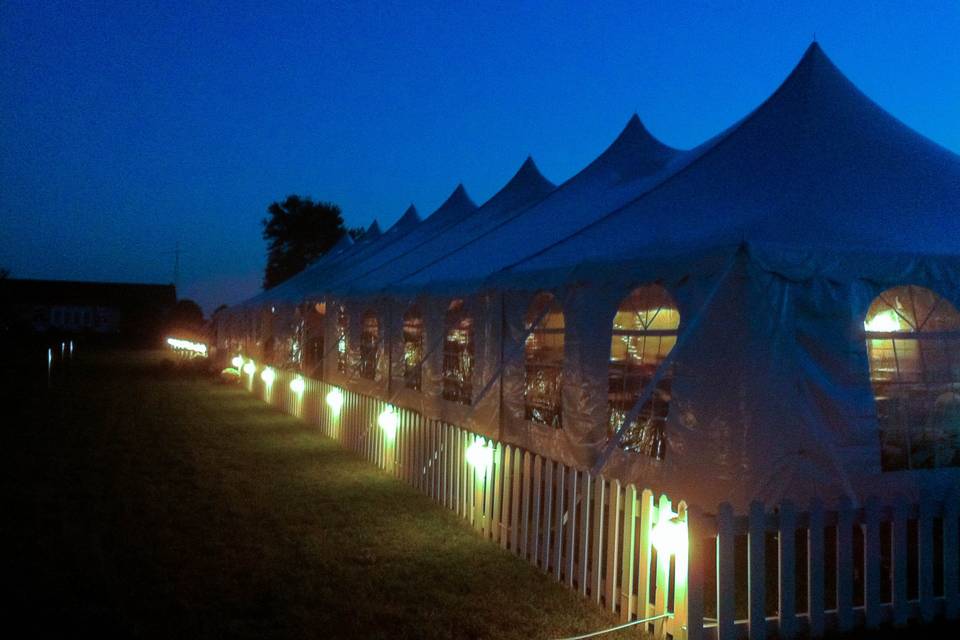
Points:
(772, 314)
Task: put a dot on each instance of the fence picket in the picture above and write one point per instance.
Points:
(696, 555)
(560, 483)
(726, 573)
(925, 564)
(586, 533)
(871, 563)
(540, 488)
(506, 491)
(545, 519)
(525, 510)
(597, 536)
(815, 569)
(515, 500)
(786, 547)
(845, 565)
(629, 550)
(900, 571)
(951, 556)
(571, 524)
(756, 572)
(614, 501)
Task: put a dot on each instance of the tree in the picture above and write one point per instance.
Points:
(186, 315)
(298, 232)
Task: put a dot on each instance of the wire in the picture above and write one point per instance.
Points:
(618, 627)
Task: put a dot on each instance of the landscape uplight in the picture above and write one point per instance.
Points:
(388, 420)
(237, 362)
(297, 385)
(268, 376)
(335, 400)
(480, 455)
(669, 535)
(250, 368)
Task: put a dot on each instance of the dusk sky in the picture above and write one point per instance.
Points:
(127, 127)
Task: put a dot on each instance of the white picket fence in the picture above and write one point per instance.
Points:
(770, 571)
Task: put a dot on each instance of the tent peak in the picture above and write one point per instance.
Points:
(458, 197)
(410, 217)
(372, 231)
(635, 152)
(526, 186)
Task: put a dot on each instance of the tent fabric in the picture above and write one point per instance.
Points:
(796, 217)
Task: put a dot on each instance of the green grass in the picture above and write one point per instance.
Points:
(142, 499)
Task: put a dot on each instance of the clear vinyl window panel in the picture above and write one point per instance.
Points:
(644, 333)
(458, 354)
(413, 349)
(313, 343)
(913, 347)
(369, 345)
(343, 340)
(543, 361)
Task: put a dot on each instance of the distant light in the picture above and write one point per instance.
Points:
(186, 345)
(886, 321)
(480, 455)
(250, 368)
(388, 421)
(268, 376)
(297, 385)
(669, 535)
(237, 362)
(335, 400)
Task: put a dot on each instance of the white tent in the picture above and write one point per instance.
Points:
(771, 246)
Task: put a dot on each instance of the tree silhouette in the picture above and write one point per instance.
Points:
(298, 232)
(185, 315)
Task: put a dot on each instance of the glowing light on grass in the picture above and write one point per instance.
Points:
(268, 376)
(480, 455)
(250, 368)
(297, 385)
(388, 421)
(237, 362)
(335, 400)
(669, 535)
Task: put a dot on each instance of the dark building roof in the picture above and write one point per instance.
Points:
(122, 295)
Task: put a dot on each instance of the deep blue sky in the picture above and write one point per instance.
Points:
(126, 127)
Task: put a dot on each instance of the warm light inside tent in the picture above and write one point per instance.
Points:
(268, 376)
(886, 321)
(237, 362)
(335, 400)
(297, 385)
(669, 535)
(250, 368)
(388, 421)
(480, 455)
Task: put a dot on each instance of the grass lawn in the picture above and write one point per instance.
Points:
(144, 500)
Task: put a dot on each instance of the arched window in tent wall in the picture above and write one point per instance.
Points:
(913, 346)
(644, 332)
(313, 342)
(413, 349)
(458, 353)
(543, 361)
(369, 345)
(343, 339)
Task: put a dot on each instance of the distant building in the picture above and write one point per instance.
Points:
(112, 312)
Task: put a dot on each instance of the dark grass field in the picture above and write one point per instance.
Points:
(143, 499)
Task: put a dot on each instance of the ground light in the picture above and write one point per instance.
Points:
(669, 535)
(250, 368)
(297, 385)
(480, 455)
(388, 420)
(335, 400)
(268, 376)
(237, 362)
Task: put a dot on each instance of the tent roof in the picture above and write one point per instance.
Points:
(628, 167)
(818, 166)
(526, 187)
